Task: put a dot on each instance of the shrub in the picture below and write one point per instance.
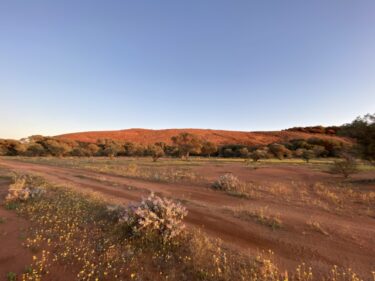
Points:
(332, 148)
(156, 218)
(35, 149)
(228, 152)
(346, 166)
(258, 154)
(11, 276)
(229, 182)
(307, 155)
(244, 152)
(57, 148)
(279, 150)
(24, 187)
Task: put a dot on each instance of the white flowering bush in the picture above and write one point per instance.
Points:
(229, 182)
(25, 187)
(155, 217)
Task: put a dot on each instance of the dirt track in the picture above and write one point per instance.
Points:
(350, 241)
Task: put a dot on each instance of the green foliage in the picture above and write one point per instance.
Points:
(244, 152)
(57, 148)
(184, 145)
(363, 130)
(35, 149)
(333, 147)
(112, 148)
(307, 155)
(279, 150)
(187, 143)
(209, 148)
(346, 166)
(11, 147)
(332, 130)
(156, 152)
(258, 154)
(11, 276)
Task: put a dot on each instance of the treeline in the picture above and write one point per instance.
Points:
(363, 130)
(183, 145)
(50, 146)
(302, 148)
(331, 130)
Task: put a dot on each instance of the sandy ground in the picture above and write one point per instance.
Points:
(13, 257)
(350, 241)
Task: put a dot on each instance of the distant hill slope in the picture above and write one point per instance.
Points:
(220, 137)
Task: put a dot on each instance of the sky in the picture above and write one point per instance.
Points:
(83, 65)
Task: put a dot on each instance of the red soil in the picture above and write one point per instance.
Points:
(145, 136)
(350, 239)
(13, 256)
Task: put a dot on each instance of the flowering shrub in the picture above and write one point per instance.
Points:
(229, 182)
(24, 187)
(155, 216)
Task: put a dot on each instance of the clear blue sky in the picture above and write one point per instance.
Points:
(242, 65)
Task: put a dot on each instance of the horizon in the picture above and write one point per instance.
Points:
(79, 66)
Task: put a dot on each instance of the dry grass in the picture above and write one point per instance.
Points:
(261, 215)
(316, 226)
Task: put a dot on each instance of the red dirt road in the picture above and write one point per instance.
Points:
(350, 241)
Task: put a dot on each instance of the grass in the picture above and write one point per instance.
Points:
(142, 168)
(103, 179)
(174, 169)
(231, 185)
(11, 276)
(261, 216)
(316, 226)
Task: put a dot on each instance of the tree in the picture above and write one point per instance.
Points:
(279, 150)
(363, 130)
(307, 155)
(3, 149)
(227, 152)
(35, 149)
(11, 147)
(346, 166)
(56, 147)
(93, 149)
(258, 154)
(209, 148)
(112, 148)
(333, 147)
(244, 152)
(130, 149)
(187, 143)
(156, 152)
(319, 150)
